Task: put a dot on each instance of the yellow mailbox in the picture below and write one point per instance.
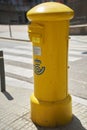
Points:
(50, 103)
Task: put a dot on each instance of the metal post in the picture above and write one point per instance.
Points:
(2, 73)
(10, 31)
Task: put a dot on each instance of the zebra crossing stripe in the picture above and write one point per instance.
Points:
(75, 53)
(25, 47)
(19, 71)
(76, 48)
(18, 83)
(17, 51)
(72, 59)
(19, 59)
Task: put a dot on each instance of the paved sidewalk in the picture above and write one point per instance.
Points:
(15, 112)
(16, 32)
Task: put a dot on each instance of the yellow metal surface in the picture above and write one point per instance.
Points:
(51, 114)
(54, 49)
(48, 32)
(50, 11)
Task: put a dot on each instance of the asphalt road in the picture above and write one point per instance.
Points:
(18, 65)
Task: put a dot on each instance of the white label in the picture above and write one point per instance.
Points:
(36, 50)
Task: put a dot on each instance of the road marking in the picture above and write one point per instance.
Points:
(18, 83)
(25, 47)
(19, 71)
(72, 59)
(79, 81)
(75, 53)
(76, 48)
(17, 51)
(19, 58)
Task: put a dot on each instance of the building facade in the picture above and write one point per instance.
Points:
(14, 11)
(80, 9)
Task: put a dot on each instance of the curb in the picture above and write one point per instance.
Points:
(78, 30)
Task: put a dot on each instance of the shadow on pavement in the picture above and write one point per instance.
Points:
(8, 96)
(85, 52)
(75, 124)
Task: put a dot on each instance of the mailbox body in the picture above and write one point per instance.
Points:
(50, 55)
(48, 31)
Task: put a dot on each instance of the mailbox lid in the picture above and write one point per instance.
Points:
(50, 11)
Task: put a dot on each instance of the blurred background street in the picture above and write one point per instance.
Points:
(17, 54)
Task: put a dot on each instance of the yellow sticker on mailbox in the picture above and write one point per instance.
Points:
(36, 39)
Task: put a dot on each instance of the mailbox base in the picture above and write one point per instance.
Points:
(51, 114)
